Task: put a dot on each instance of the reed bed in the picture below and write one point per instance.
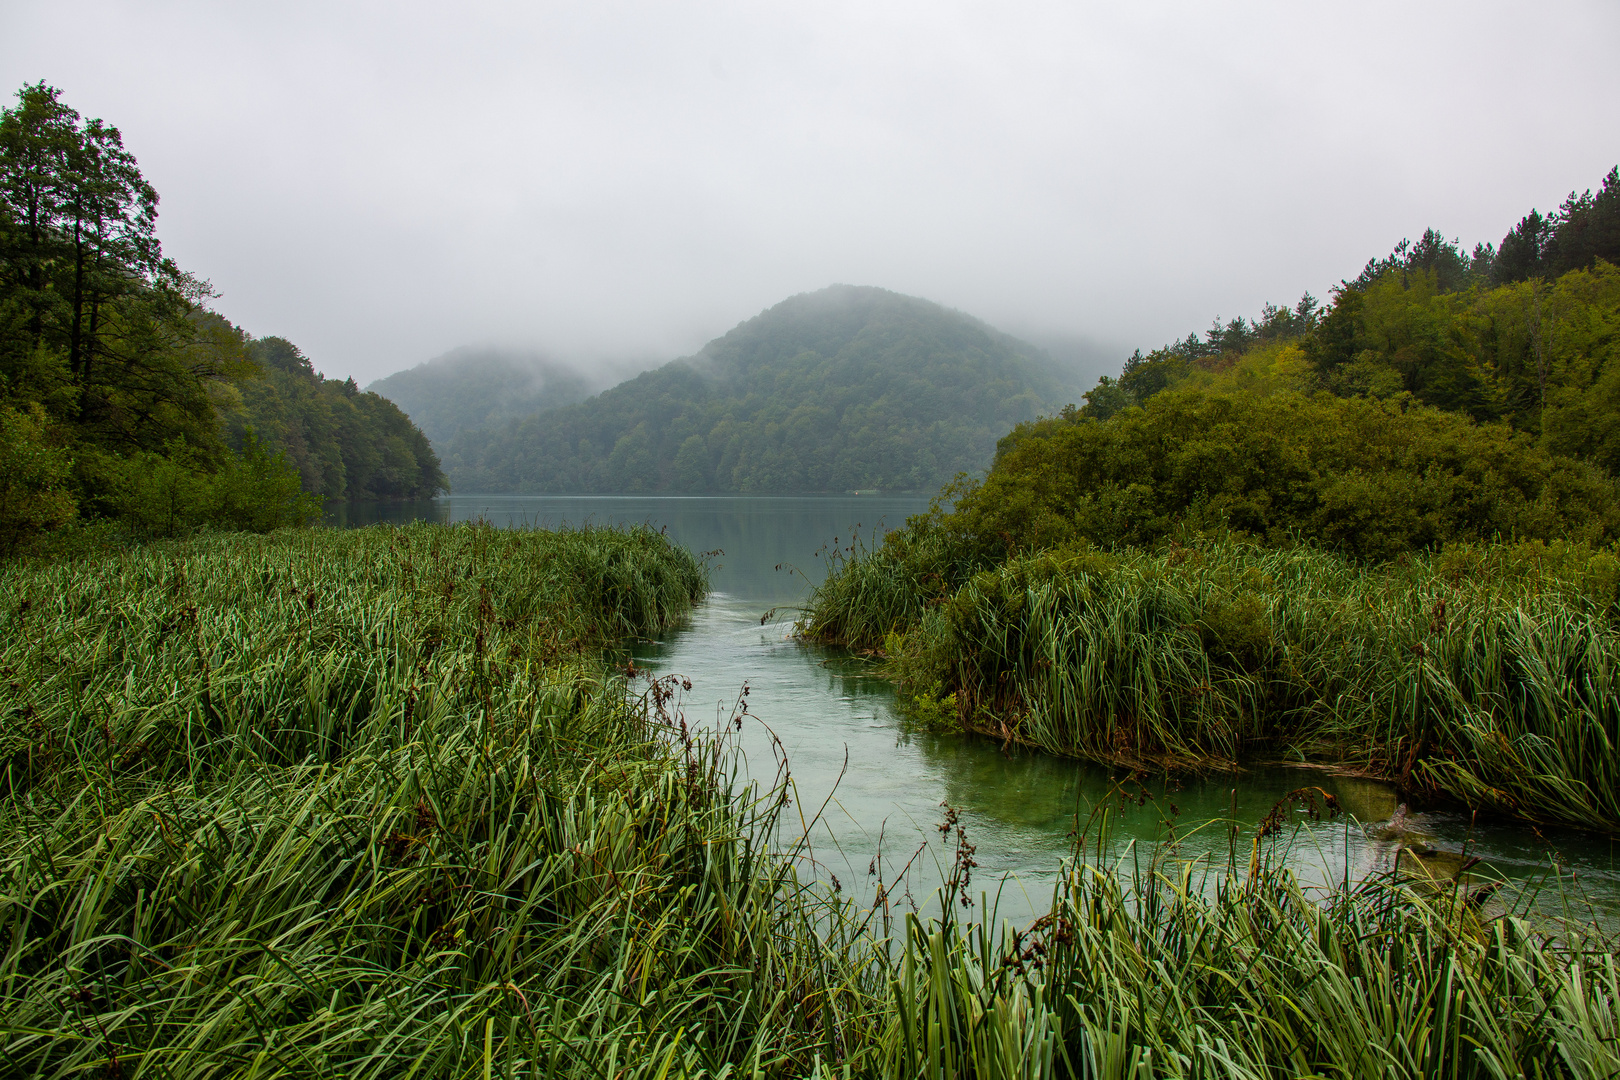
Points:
(1486, 674)
(366, 804)
(1172, 969)
(873, 590)
(371, 804)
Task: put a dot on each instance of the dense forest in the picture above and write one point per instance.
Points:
(844, 389)
(345, 443)
(471, 388)
(1441, 396)
(1518, 333)
(124, 399)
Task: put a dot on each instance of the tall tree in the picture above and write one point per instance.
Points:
(97, 324)
(111, 369)
(1588, 228)
(36, 141)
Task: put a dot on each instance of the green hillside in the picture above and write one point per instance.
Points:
(846, 388)
(470, 388)
(345, 443)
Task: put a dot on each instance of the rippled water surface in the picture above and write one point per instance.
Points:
(879, 786)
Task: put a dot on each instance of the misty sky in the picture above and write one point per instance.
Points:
(610, 181)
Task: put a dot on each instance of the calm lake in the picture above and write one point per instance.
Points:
(879, 786)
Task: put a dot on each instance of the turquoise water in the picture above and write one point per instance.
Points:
(869, 792)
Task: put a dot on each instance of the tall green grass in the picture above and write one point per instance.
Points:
(365, 804)
(1486, 674)
(872, 590)
(1176, 970)
(370, 804)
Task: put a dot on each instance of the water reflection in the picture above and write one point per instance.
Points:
(879, 785)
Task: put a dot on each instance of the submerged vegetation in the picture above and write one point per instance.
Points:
(370, 804)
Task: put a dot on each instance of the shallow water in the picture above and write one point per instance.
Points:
(868, 787)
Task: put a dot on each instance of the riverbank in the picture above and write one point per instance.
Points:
(1487, 675)
(372, 804)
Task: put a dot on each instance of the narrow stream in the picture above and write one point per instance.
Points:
(870, 788)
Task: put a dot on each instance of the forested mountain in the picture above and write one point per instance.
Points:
(846, 388)
(469, 388)
(123, 398)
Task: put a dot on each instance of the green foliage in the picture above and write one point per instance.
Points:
(1173, 970)
(375, 809)
(254, 491)
(78, 241)
(366, 804)
(114, 376)
(96, 329)
(844, 389)
(344, 443)
(473, 388)
(1522, 334)
(1178, 969)
(1488, 674)
(871, 592)
(1369, 478)
(1524, 353)
(33, 480)
(1431, 463)
(1582, 231)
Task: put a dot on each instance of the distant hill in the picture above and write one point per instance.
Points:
(846, 388)
(345, 443)
(472, 387)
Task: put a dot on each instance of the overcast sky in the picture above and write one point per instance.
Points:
(608, 180)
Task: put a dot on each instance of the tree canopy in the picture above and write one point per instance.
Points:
(1439, 397)
(1370, 478)
(346, 443)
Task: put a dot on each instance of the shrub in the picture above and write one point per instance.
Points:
(34, 495)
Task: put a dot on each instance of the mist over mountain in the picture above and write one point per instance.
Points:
(473, 386)
(846, 388)
(1076, 358)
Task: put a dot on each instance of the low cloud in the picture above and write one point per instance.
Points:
(623, 181)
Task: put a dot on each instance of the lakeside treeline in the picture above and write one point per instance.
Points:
(124, 399)
(372, 803)
(1379, 535)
